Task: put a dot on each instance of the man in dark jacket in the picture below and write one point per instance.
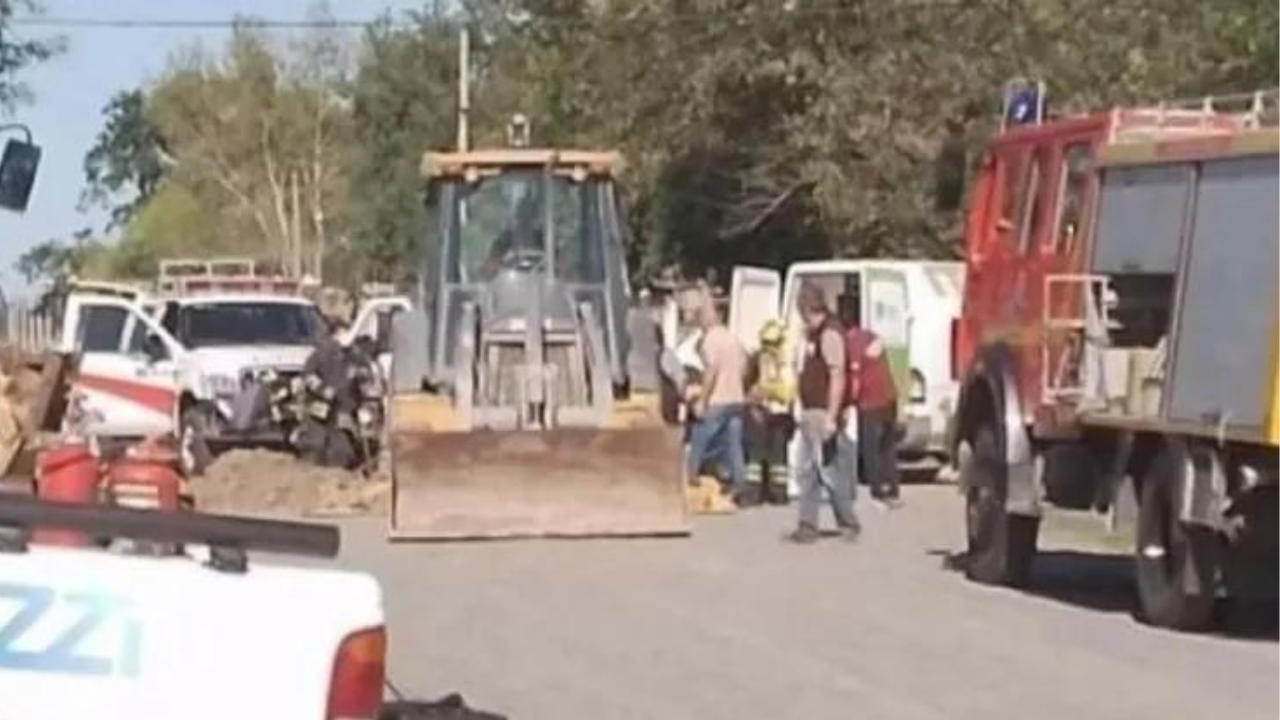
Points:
(826, 457)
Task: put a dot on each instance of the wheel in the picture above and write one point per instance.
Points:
(193, 449)
(1001, 545)
(1168, 550)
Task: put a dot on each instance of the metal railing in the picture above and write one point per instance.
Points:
(1076, 311)
(1209, 115)
(180, 277)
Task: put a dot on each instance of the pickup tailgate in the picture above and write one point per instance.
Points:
(85, 633)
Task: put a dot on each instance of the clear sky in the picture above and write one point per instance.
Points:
(71, 90)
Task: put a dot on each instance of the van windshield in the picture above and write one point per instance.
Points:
(249, 323)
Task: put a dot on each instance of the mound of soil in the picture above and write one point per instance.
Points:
(272, 484)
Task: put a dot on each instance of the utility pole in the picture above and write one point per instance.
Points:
(464, 88)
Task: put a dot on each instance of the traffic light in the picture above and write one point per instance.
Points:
(17, 174)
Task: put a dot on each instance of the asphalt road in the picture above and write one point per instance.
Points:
(733, 623)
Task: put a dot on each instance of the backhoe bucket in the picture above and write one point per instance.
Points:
(559, 483)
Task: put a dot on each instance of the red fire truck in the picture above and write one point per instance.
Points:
(1119, 329)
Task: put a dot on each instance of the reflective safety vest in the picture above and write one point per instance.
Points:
(775, 380)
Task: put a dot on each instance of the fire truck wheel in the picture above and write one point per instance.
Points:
(1001, 545)
(1168, 549)
(193, 449)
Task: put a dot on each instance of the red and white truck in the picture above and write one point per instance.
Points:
(1119, 329)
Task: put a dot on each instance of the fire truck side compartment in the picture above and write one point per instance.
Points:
(1222, 341)
(1191, 250)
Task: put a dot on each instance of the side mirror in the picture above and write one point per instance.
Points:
(18, 174)
(153, 347)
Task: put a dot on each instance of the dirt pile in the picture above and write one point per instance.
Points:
(264, 483)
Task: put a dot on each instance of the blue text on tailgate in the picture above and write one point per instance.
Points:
(80, 615)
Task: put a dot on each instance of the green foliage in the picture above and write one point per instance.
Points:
(402, 105)
(764, 132)
(124, 167)
(19, 53)
(755, 131)
(54, 259)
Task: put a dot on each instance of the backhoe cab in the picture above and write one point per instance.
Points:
(529, 424)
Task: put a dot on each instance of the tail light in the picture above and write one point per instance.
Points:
(359, 668)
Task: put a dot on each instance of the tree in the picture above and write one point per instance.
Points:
(253, 136)
(754, 131)
(402, 105)
(124, 167)
(55, 259)
(17, 53)
(762, 131)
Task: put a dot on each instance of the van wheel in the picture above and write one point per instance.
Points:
(193, 449)
(1001, 545)
(1169, 551)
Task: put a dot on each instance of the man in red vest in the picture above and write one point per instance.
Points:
(872, 392)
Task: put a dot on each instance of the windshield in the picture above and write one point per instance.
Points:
(249, 323)
(500, 223)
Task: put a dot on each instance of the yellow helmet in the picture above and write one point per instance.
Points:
(771, 333)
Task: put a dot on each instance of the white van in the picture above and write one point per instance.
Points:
(910, 304)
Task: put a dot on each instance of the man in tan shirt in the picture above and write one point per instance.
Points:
(718, 409)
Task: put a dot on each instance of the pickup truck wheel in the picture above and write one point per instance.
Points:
(1168, 550)
(193, 448)
(1001, 545)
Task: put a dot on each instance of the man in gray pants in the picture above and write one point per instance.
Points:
(827, 458)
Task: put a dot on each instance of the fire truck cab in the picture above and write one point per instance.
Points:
(1120, 323)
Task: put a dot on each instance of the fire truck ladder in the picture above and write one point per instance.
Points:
(1076, 374)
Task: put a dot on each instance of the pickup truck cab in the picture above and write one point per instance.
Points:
(90, 633)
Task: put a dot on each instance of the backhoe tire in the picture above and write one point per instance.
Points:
(1167, 549)
(1002, 545)
(194, 453)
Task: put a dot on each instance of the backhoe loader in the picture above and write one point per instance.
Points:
(518, 409)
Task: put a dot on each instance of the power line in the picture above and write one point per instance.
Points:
(187, 24)
(878, 10)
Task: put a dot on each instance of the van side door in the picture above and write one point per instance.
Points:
(886, 311)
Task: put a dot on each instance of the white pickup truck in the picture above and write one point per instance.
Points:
(88, 633)
(179, 366)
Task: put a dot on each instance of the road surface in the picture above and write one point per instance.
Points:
(733, 623)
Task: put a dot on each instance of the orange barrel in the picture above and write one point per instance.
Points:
(146, 479)
(145, 482)
(67, 473)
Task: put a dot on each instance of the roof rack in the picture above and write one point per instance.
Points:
(184, 277)
(127, 291)
(1206, 116)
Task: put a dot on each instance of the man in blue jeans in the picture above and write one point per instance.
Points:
(719, 407)
(827, 457)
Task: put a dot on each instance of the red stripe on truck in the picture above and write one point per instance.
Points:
(149, 396)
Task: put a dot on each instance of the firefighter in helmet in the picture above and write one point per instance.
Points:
(770, 422)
